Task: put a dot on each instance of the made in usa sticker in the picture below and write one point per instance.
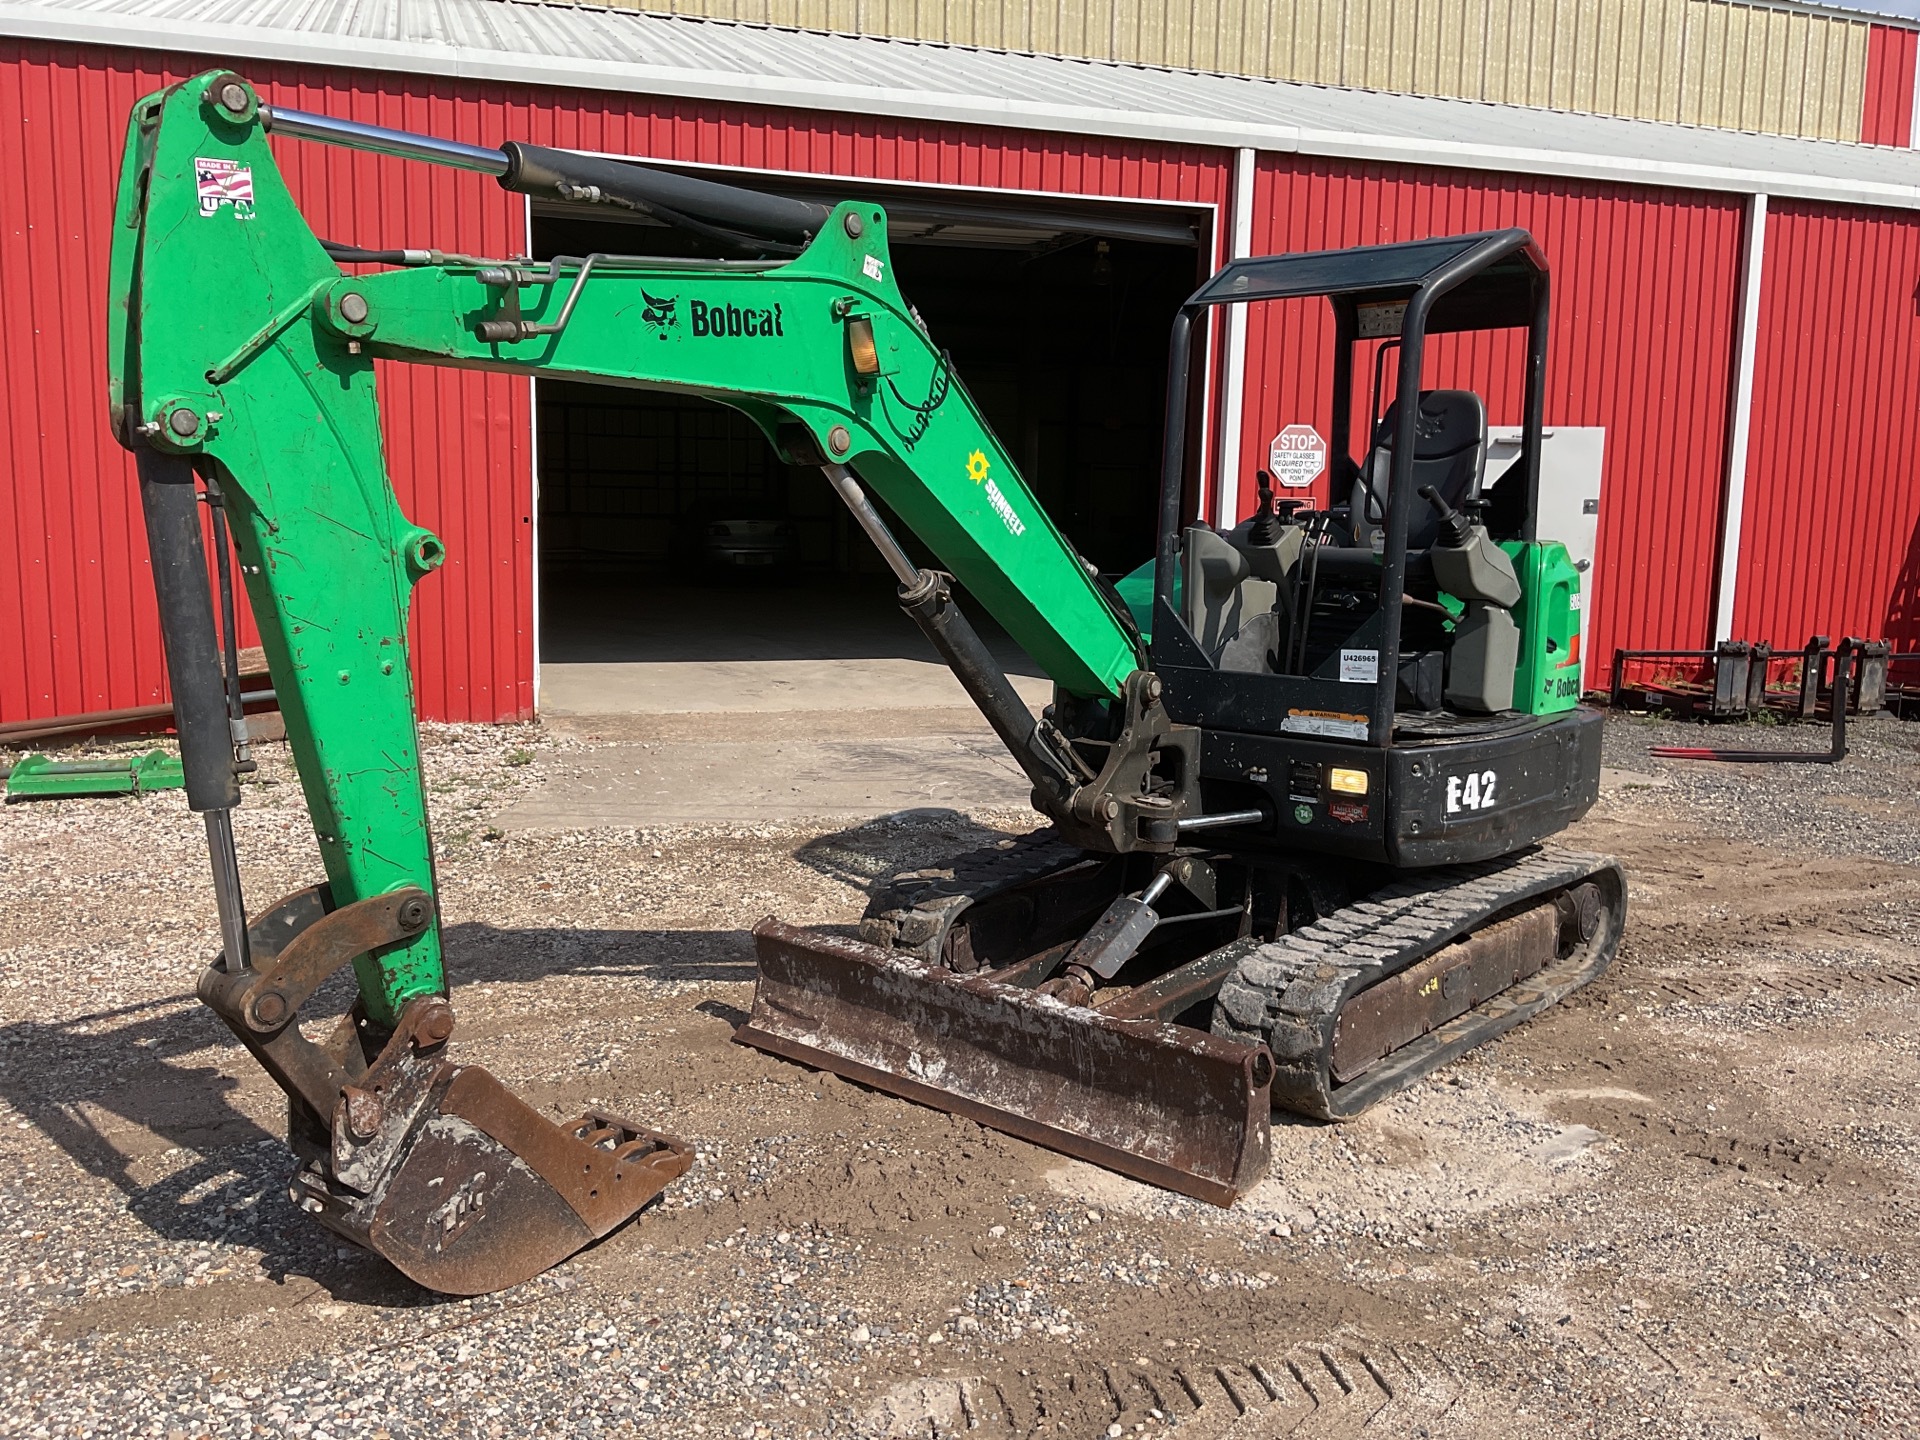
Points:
(223, 182)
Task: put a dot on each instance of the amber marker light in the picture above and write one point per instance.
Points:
(1347, 782)
(866, 355)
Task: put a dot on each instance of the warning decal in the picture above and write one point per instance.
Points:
(224, 182)
(1334, 723)
(1296, 457)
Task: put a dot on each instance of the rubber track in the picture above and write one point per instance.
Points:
(910, 911)
(1289, 991)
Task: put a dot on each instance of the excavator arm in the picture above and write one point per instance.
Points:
(242, 378)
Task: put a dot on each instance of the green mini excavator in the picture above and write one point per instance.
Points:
(1297, 773)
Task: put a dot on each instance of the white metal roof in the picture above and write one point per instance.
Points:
(634, 52)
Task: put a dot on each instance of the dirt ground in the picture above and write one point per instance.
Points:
(1681, 1203)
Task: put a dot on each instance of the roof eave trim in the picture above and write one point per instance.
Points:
(37, 22)
(1620, 169)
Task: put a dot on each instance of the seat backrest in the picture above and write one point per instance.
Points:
(1221, 592)
(1449, 453)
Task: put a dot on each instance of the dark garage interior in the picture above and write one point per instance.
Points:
(671, 532)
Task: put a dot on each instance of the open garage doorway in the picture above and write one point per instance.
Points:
(683, 567)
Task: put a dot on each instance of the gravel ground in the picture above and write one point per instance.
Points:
(1867, 807)
(1681, 1203)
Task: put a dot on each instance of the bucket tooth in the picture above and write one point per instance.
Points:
(1164, 1103)
(478, 1191)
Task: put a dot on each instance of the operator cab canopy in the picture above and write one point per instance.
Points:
(1374, 542)
(1489, 281)
(1400, 293)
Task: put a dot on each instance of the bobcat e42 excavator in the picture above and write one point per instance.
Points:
(1297, 774)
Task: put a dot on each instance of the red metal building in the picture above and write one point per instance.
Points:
(1737, 311)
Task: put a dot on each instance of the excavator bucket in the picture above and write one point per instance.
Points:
(483, 1192)
(434, 1166)
(1164, 1103)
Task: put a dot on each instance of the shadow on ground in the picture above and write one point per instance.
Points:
(73, 1084)
(862, 855)
(118, 1088)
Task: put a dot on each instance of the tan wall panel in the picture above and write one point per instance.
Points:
(1610, 22)
(1700, 62)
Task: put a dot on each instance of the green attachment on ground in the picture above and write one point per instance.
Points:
(38, 778)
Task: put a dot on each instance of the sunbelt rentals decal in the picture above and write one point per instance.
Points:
(978, 467)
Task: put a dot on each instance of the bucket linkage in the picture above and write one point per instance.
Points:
(434, 1166)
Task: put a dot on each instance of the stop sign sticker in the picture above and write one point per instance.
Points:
(1296, 457)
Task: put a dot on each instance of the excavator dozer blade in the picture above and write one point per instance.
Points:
(476, 1191)
(1167, 1104)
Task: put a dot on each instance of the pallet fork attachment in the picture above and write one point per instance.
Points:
(1835, 752)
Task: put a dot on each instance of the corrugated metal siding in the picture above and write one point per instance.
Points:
(1699, 62)
(458, 443)
(1831, 529)
(78, 634)
(1886, 116)
(1643, 307)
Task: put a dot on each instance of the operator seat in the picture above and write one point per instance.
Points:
(1225, 601)
(1449, 453)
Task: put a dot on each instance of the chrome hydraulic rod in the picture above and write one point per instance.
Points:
(723, 212)
(925, 596)
(1222, 820)
(227, 898)
(403, 144)
(849, 490)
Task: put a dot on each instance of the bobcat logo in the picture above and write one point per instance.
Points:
(659, 314)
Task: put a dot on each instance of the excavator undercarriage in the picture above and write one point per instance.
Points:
(1286, 988)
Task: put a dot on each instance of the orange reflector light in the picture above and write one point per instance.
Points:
(865, 354)
(1347, 782)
